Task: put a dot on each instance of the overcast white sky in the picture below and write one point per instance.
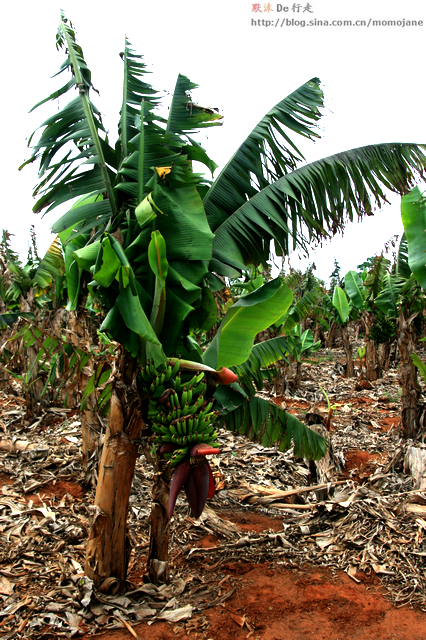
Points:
(373, 79)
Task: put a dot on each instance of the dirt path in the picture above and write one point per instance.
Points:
(273, 603)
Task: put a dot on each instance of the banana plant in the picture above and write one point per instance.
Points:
(363, 291)
(413, 214)
(150, 241)
(411, 307)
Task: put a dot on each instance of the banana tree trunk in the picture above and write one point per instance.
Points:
(108, 549)
(158, 555)
(80, 330)
(372, 361)
(408, 377)
(331, 336)
(319, 334)
(35, 385)
(384, 355)
(298, 376)
(90, 431)
(348, 352)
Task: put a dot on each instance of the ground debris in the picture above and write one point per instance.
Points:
(368, 519)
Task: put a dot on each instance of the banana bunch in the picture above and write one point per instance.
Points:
(383, 330)
(154, 381)
(180, 414)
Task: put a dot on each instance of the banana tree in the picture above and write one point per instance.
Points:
(341, 304)
(151, 241)
(411, 309)
(399, 308)
(363, 292)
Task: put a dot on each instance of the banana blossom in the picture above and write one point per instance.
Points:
(196, 477)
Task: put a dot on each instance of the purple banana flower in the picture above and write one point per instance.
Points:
(196, 477)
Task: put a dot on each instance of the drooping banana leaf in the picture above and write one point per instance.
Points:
(265, 422)
(79, 124)
(159, 266)
(8, 319)
(267, 154)
(52, 264)
(303, 308)
(263, 355)
(313, 201)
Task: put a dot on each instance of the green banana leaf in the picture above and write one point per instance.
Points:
(303, 308)
(135, 90)
(254, 312)
(8, 319)
(402, 266)
(373, 283)
(353, 288)
(413, 214)
(186, 116)
(159, 266)
(341, 304)
(420, 365)
(389, 298)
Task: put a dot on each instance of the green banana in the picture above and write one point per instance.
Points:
(175, 369)
(198, 403)
(183, 397)
(156, 428)
(206, 410)
(144, 375)
(190, 395)
(176, 412)
(207, 430)
(167, 373)
(174, 399)
(201, 388)
(189, 410)
(178, 456)
(195, 379)
(179, 426)
(161, 417)
(177, 381)
(151, 368)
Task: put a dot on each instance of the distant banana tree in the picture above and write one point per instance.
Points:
(341, 304)
(31, 291)
(152, 240)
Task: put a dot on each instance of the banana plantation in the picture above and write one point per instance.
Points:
(191, 447)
